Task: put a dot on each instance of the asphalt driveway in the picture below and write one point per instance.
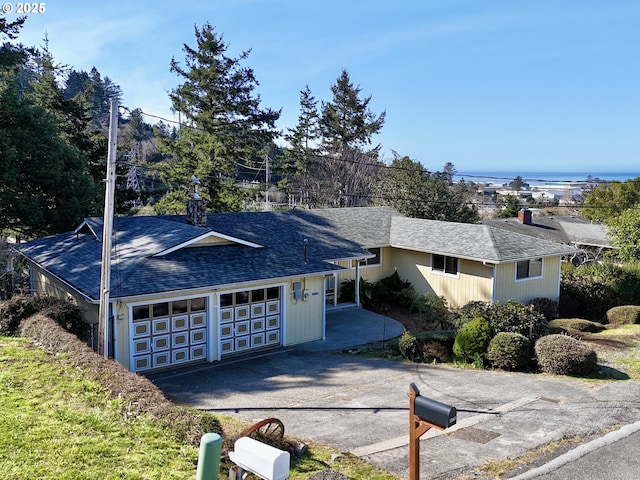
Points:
(360, 405)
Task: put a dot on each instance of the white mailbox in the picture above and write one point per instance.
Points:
(263, 460)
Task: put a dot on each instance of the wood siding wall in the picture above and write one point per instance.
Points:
(547, 286)
(474, 281)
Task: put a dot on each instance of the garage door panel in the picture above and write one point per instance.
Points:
(198, 336)
(174, 333)
(179, 323)
(255, 316)
(141, 329)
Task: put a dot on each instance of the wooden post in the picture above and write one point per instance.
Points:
(417, 428)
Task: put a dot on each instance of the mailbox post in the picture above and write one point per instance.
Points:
(425, 414)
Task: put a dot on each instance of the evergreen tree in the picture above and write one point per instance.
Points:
(223, 122)
(346, 122)
(45, 186)
(409, 188)
(304, 137)
(608, 200)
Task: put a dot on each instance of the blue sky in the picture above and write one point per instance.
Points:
(489, 85)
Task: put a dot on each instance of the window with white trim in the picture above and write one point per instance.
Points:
(444, 264)
(526, 269)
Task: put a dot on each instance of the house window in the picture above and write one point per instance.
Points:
(529, 269)
(374, 260)
(444, 264)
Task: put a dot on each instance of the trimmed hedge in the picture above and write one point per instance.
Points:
(510, 351)
(64, 313)
(564, 355)
(473, 339)
(623, 315)
(572, 326)
(427, 347)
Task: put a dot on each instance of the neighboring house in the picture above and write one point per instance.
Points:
(591, 238)
(208, 287)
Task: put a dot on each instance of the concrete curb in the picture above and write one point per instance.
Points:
(580, 451)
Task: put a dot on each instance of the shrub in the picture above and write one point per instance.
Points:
(590, 290)
(508, 317)
(518, 318)
(432, 309)
(572, 326)
(388, 290)
(473, 339)
(434, 350)
(510, 351)
(445, 337)
(623, 315)
(471, 310)
(409, 347)
(64, 313)
(405, 297)
(546, 306)
(564, 355)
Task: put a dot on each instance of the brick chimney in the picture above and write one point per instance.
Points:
(196, 211)
(524, 216)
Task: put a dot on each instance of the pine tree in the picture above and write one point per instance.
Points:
(223, 122)
(346, 122)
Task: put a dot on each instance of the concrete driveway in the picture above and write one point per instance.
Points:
(360, 405)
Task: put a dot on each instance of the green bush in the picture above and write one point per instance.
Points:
(432, 309)
(473, 339)
(65, 314)
(546, 306)
(388, 290)
(445, 337)
(510, 351)
(588, 291)
(508, 317)
(471, 310)
(426, 347)
(410, 347)
(623, 315)
(572, 326)
(564, 355)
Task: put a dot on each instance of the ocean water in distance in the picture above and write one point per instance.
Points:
(544, 177)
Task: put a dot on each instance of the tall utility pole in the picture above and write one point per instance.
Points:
(107, 231)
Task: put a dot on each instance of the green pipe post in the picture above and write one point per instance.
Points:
(209, 457)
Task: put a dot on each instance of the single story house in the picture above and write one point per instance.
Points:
(197, 288)
(591, 238)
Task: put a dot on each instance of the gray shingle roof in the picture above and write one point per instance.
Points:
(142, 265)
(471, 241)
(558, 228)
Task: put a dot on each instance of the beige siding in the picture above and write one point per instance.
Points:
(304, 318)
(43, 283)
(474, 282)
(547, 286)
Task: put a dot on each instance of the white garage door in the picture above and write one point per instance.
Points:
(169, 333)
(250, 319)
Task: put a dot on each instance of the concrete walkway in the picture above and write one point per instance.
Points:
(360, 405)
(351, 327)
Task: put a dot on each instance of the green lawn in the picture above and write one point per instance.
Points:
(618, 348)
(55, 423)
